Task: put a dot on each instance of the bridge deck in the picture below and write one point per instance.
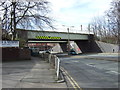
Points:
(32, 34)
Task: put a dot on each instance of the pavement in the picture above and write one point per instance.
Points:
(34, 73)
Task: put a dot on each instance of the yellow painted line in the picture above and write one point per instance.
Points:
(79, 56)
(75, 82)
(72, 81)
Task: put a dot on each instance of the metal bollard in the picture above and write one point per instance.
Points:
(50, 58)
(58, 67)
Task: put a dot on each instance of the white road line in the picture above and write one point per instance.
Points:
(75, 61)
(113, 72)
(90, 65)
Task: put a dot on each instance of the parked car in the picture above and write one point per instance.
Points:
(49, 51)
(34, 51)
(73, 52)
(43, 51)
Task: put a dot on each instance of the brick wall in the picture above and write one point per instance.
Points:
(10, 54)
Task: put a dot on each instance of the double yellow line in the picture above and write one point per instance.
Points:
(71, 80)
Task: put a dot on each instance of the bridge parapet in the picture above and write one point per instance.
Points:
(32, 34)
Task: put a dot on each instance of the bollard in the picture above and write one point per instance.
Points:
(50, 58)
(57, 67)
(52, 61)
(55, 63)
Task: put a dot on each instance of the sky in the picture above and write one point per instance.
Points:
(67, 13)
(77, 12)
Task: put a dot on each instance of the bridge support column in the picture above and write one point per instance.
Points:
(84, 45)
(88, 46)
(64, 46)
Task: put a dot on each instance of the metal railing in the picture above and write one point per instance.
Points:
(57, 66)
(54, 62)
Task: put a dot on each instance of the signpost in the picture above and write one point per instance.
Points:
(9, 43)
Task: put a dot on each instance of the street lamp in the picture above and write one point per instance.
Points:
(68, 42)
(68, 31)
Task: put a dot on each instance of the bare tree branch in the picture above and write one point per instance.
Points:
(26, 14)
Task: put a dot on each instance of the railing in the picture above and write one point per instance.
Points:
(57, 66)
(54, 62)
(74, 30)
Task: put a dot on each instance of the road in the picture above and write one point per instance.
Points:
(91, 73)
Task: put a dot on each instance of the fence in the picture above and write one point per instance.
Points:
(54, 62)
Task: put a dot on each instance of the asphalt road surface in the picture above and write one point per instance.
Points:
(92, 73)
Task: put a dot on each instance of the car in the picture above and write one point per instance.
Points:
(72, 52)
(49, 51)
(43, 51)
(34, 51)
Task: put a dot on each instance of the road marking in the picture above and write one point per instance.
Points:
(75, 61)
(113, 72)
(90, 65)
(72, 81)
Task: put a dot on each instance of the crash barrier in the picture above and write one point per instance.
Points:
(54, 62)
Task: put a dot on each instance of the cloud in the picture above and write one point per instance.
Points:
(77, 12)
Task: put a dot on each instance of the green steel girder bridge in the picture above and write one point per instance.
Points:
(85, 41)
(51, 36)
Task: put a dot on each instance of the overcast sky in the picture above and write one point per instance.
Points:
(77, 12)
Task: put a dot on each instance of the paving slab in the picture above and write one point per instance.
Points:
(41, 85)
(34, 73)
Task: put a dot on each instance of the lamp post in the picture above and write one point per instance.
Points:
(68, 31)
(68, 41)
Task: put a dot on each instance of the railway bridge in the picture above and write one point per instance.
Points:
(85, 41)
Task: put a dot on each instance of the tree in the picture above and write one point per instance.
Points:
(25, 14)
(113, 15)
(108, 26)
(99, 26)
